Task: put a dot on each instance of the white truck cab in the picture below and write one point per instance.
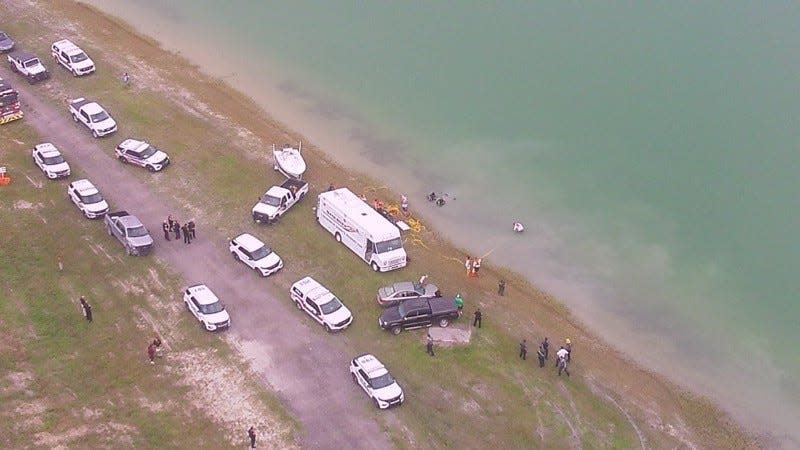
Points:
(319, 303)
(361, 229)
(72, 57)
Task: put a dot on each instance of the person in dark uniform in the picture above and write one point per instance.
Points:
(190, 226)
(87, 309)
(541, 354)
(176, 228)
(251, 433)
(429, 345)
(478, 317)
(187, 238)
(501, 288)
(546, 347)
(523, 349)
(166, 228)
(170, 221)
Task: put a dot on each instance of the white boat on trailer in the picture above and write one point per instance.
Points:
(289, 161)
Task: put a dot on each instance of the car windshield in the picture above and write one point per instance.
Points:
(53, 160)
(92, 198)
(381, 381)
(270, 200)
(99, 117)
(212, 308)
(387, 246)
(137, 231)
(8, 98)
(331, 306)
(79, 57)
(148, 152)
(31, 62)
(261, 253)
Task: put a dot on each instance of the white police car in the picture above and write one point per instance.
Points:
(87, 198)
(206, 307)
(255, 255)
(372, 376)
(319, 303)
(47, 157)
(142, 154)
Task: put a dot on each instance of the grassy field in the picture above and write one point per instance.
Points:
(465, 397)
(66, 382)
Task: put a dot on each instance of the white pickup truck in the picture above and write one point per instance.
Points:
(278, 199)
(28, 65)
(92, 116)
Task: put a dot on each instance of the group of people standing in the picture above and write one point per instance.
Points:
(173, 226)
(563, 355)
(472, 266)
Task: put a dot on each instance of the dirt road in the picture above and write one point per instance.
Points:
(307, 368)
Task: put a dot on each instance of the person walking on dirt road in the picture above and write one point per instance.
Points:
(429, 345)
(478, 318)
(523, 349)
(165, 227)
(251, 433)
(87, 309)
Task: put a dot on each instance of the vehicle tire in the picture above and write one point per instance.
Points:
(187, 306)
(94, 133)
(396, 330)
(86, 214)
(375, 267)
(130, 251)
(353, 376)
(202, 325)
(13, 67)
(327, 328)
(151, 168)
(299, 306)
(122, 159)
(338, 237)
(375, 402)
(235, 257)
(300, 197)
(444, 322)
(75, 118)
(74, 72)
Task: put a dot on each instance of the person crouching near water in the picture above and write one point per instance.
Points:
(518, 227)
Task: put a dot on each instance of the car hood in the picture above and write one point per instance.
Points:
(389, 392)
(157, 157)
(390, 314)
(60, 167)
(217, 317)
(263, 208)
(95, 207)
(340, 315)
(105, 124)
(268, 261)
(141, 241)
(83, 64)
(37, 69)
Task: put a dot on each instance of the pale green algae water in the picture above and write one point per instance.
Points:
(650, 148)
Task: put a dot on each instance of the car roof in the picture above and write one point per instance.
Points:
(84, 187)
(248, 242)
(203, 294)
(92, 108)
(23, 55)
(133, 144)
(404, 286)
(47, 149)
(67, 46)
(312, 289)
(130, 221)
(371, 365)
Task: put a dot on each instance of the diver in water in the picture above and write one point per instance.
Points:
(432, 197)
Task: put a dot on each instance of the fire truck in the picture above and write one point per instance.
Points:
(9, 103)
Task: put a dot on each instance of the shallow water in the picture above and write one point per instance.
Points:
(650, 149)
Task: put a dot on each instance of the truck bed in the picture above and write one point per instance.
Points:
(118, 214)
(298, 184)
(443, 305)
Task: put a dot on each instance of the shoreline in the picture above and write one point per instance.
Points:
(288, 129)
(295, 108)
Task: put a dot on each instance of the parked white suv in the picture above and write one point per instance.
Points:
(47, 157)
(206, 307)
(255, 255)
(372, 376)
(319, 303)
(72, 57)
(87, 198)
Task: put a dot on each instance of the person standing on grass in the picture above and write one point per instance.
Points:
(87, 309)
(404, 204)
(568, 348)
(541, 354)
(151, 352)
(561, 361)
(60, 264)
(459, 303)
(501, 288)
(251, 433)
(176, 228)
(187, 238)
(429, 345)
(165, 227)
(523, 349)
(546, 347)
(190, 227)
(476, 266)
(478, 318)
(468, 265)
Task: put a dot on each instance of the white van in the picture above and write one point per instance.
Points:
(362, 229)
(319, 303)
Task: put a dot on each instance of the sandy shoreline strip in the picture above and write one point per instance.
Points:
(609, 369)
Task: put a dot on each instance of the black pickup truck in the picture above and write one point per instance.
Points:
(418, 313)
